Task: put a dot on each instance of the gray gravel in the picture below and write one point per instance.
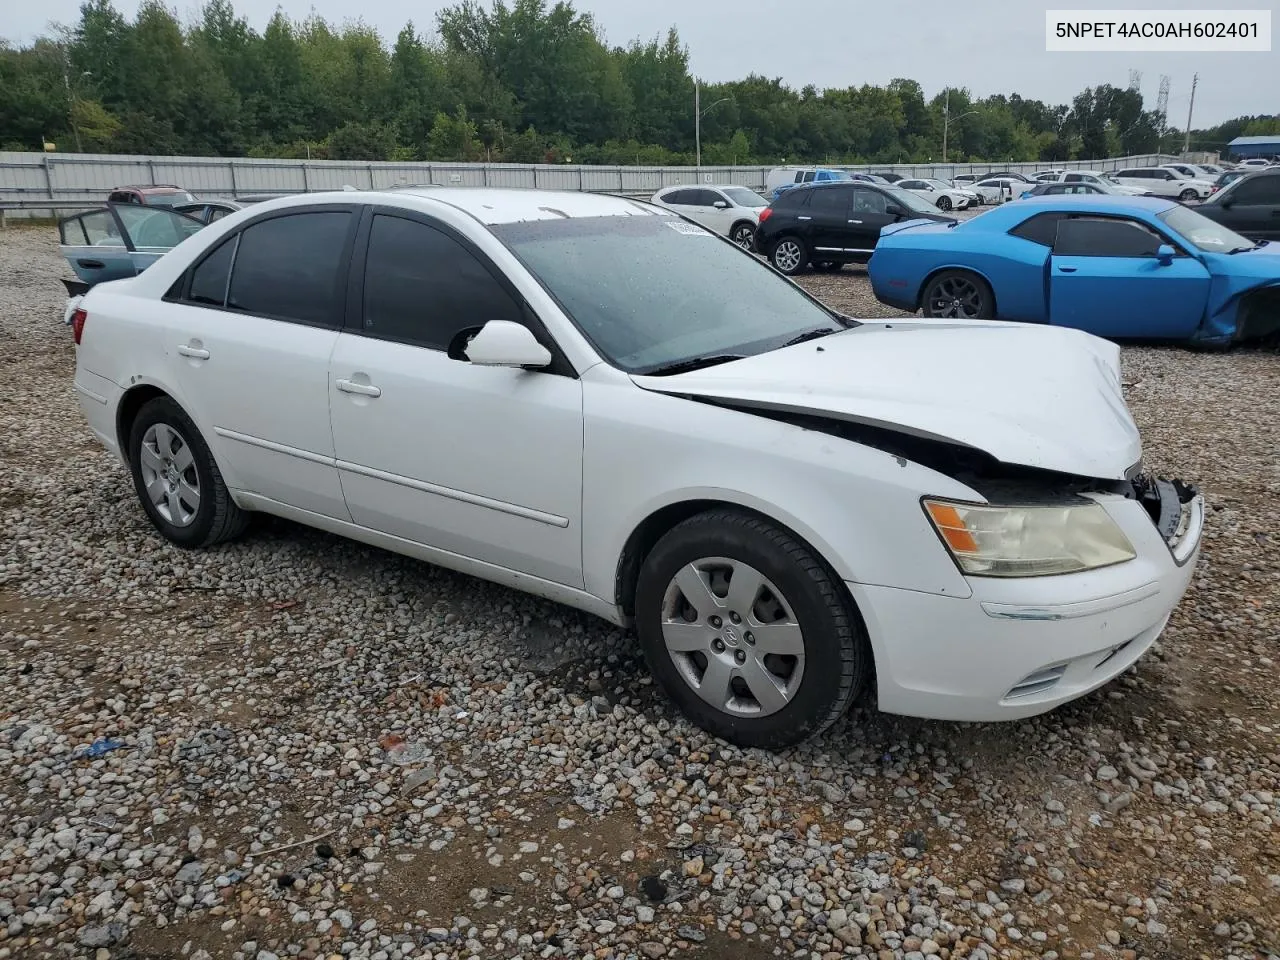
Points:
(317, 749)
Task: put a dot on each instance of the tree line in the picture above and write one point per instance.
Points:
(525, 81)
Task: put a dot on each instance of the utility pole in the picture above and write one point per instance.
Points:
(1186, 140)
(946, 109)
(697, 122)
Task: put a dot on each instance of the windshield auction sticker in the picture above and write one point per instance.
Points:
(1176, 31)
(688, 229)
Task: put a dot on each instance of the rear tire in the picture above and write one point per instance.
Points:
(789, 255)
(177, 481)
(1186, 196)
(744, 235)
(773, 686)
(958, 294)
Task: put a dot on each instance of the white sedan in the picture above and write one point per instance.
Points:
(940, 193)
(786, 504)
(727, 209)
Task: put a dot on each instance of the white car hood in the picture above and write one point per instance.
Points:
(1034, 396)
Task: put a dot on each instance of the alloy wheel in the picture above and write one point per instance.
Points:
(955, 297)
(733, 637)
(787, 256)
(169, 474)
(744, 237)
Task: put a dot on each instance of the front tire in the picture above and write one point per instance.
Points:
(958, 294)
(789, 256)
(944, 203)
(177, 481)
(748, 631)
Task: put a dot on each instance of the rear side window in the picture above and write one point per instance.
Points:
(289, 267)
(1260, 190)
(833, 201)
(423, 287)
(1042, 228)
(100, 229)
(793, 200)
(209, 278)
(1097, 237)
(679, 197)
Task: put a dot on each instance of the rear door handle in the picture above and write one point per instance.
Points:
(195, 353)
(855, 221)
(91, 264)
(364, 389)
(804, 218)
(1067, 269)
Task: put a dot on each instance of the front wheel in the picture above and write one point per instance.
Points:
(748, 631)
(958, 294)
(177, 480)
(1186, 196)
(744, 235)
(944, 203)
(789, 256)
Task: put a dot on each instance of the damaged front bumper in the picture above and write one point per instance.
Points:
(1021, 647)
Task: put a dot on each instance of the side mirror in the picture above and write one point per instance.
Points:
(894, 210)
(502, 343)
(1164, 254)
(721, 205)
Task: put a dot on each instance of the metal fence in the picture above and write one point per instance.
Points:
(89, 177)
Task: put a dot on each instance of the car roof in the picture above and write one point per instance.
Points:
(702, 186)
(495, 205)
(151, 188)
(1101, 203)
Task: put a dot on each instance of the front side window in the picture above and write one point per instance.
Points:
(869, 201)
(808, 177)
(637, 289)
(1100, 237)
(423, 287)
(100, 230)
(289, 267)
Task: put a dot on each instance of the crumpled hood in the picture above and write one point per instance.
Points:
(1034, 396)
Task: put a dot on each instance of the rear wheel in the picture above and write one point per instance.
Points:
(958, 294)
(177, 480)
(789, 255)
(1186, 196)
(748, 631)
(744, 235)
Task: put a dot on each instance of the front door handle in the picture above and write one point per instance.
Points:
(363, 389)
(1067, 269)
(195, 353)
(804, 218)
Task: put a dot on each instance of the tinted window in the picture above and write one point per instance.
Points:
(706, 198)
(1042, 228)
(423, 286)
(1132, 174)
(120, 196)
(869, 201)
(679, 197)
(1073, 178)
(217, 213)
(832, 201)
(808, 177)
(1263, 189)
(793, 200)
(209, 279)
(289, 267)
(1096, 237)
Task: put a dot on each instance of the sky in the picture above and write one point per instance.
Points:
(989, 46)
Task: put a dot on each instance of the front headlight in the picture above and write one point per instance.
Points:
(1029, 541)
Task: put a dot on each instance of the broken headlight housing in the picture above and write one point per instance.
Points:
(1028, 541)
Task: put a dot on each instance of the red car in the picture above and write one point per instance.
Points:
(151, 195)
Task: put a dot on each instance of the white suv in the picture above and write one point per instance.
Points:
(727, 209)
(1163, 182)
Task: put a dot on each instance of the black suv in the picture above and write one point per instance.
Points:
(1250, 206)
(834, 223)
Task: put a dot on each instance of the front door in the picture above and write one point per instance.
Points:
(1254, 208)
(249, 341)
(483, 462)
(1105, 278)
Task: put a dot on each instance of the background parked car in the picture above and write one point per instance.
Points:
(207, 211)
(1044, 176)
(1057, 189)
(151, 195)
(831, 224)
(781, 179)
(1104, 181)
(1228, 177)
(965, 180)
(1254, 163)
(890, 177)
(1250, 205)
(942, 195)
(1000, 189)
(1163, 182)
(1117, 267)
(727, 209)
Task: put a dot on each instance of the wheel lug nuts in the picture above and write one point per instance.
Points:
(716, 622)
(749, 637)
(740, 656)
(717, 645)
(735, 618)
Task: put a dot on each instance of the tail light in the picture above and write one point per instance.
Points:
(77, 323)
(765, 214)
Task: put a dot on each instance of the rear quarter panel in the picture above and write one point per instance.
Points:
(1014, 268)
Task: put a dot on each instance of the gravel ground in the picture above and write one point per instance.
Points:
(299, 746)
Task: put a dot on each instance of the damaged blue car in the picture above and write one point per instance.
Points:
(1117, 267)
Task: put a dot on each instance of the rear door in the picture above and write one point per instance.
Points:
(829, 227)
(94, 247)
(1105, 278)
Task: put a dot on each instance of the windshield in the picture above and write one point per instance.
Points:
(168, 199)
(1204, 233)
(744, 197)
(651, 292)
(909, 200)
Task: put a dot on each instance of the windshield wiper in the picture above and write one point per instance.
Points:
(693, 363)
(813, 334)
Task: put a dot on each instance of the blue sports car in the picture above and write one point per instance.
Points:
(1118, 267)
